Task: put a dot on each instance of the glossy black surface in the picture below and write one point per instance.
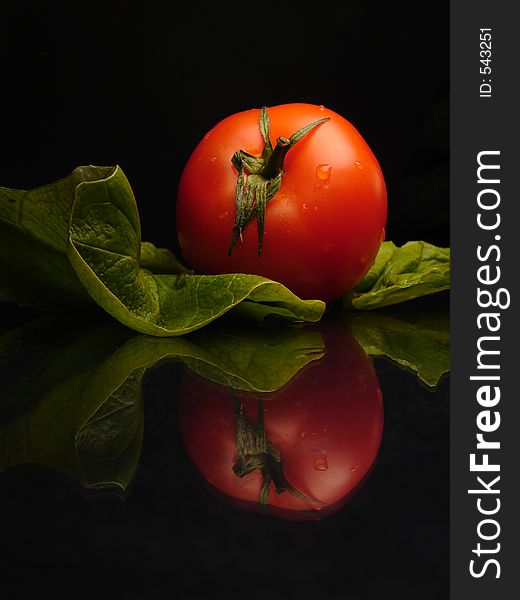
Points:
(167, 536)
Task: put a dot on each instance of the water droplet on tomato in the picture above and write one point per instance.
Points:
(359, 165)
(213, 158)
(320, 464)
(304, 206)
(382, 236)
(223, 215)
(323, 172)
(322, 108)
(354, 468)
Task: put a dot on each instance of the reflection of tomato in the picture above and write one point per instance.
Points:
(323, 227)
(326, 426)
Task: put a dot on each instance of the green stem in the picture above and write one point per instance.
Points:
(275, 163)
(260, 178)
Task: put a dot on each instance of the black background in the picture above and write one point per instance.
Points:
(139, 84)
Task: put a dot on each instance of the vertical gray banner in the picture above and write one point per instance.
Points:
(485, 404)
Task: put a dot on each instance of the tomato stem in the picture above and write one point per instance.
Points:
(260, 178)
(275, 163)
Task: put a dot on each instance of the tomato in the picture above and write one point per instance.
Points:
(325, 427)
(324, 225)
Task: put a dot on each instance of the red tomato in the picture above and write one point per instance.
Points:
(323, 227)
(325, 426)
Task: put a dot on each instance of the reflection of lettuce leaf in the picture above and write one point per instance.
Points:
(108, 444)
(262, 362)
(71, 395)
(417, 339)
(400, 274)
(39, 356)
(79, 239)
(55, 381)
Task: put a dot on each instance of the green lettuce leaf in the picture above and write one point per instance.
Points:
(401, 273)
(160, 260)
(104, 249)
(34, 231)
(34, 225)
(80, 239)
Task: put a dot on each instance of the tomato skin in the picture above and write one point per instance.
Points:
(327, 424)
(324, 226)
